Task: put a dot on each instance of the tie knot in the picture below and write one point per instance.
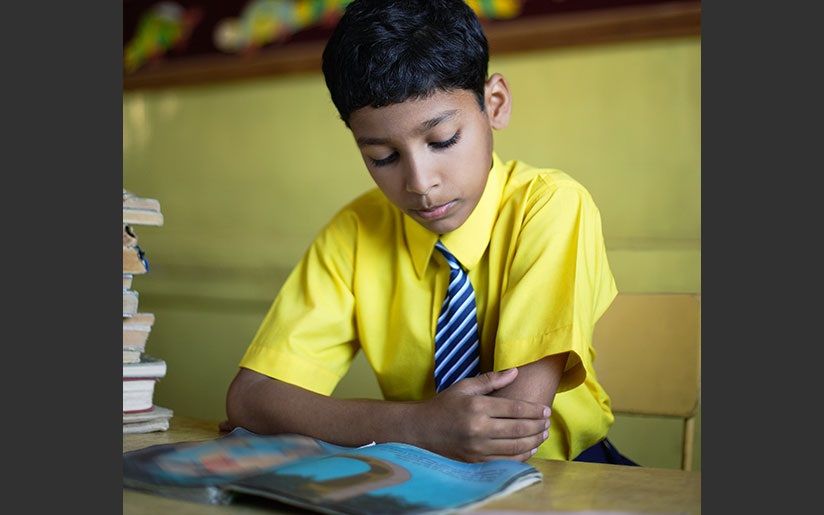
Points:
(452, 260)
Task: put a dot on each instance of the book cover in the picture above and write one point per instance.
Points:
(385, 478)
(147, 367)
(130, 301)
(138, 393)
(149, 426)
(136, 329)
(131, 355)
(140, 210)
(127, 281)
(154, 419)
(129, 236)
(134, 260)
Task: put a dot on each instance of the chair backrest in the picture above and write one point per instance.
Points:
(648, 357)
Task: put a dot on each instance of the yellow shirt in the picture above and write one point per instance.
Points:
(535, 255)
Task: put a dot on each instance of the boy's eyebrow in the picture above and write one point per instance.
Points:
(425, 126)
(428, 124)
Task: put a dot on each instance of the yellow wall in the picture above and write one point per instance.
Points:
(247, 173)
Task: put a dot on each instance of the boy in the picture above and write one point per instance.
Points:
(409, 80)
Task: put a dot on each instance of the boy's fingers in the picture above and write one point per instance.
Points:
(509, 429)
(512, 409)
(487, 382)
(500, 407)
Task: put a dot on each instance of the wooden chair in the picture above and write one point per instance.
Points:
(648, 356)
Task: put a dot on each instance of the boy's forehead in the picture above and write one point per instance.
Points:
(415, 112)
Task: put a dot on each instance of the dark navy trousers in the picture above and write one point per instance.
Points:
(604, 452)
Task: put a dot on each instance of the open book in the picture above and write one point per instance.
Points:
(385, 478)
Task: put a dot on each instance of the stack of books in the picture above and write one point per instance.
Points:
(141, 371)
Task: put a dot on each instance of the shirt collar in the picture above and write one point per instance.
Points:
(468, 242)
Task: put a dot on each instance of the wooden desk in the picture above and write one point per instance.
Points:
(566, 487)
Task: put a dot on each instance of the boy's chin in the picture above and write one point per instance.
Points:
(441, 226)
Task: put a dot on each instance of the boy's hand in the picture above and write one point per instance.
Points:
(465, 423)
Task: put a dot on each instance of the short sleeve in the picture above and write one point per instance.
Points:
(559, 279)
(308, 336)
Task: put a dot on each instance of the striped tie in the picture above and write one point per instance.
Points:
(456, 337)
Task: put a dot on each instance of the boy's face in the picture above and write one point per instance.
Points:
(430, 157)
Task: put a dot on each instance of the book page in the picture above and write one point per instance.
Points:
(384, 479)
(389, 478)
(195, 470)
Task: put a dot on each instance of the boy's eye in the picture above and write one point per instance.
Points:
(386, 160)
(446, 144)
(437, 145)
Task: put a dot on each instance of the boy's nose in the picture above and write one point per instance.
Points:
(420, 177)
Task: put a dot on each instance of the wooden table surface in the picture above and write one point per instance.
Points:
(567, 486)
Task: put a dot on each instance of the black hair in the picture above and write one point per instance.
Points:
(387, 51)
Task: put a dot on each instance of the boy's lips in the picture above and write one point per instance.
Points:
(436, 212)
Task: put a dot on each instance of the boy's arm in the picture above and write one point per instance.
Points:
(537, 381)
(463, 422)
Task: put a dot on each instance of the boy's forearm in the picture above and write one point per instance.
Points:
(267, 406)
(537, 381)
(463, 422)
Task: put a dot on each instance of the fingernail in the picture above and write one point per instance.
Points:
(547, 412)
(546, 426)
(533, 451)
(546, 435)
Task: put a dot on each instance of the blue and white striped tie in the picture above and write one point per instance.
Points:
(456, 336)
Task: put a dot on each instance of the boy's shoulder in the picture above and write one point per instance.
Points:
(521, 174)
(370, 210)
(368, 203)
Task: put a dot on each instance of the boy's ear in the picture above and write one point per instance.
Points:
(498, 101)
